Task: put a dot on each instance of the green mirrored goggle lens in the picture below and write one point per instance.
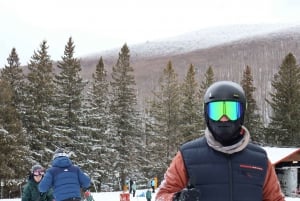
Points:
(217, 109)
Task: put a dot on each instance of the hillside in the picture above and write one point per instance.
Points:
(263, 50)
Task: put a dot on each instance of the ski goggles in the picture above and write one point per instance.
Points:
(217, 109)
(38, 172)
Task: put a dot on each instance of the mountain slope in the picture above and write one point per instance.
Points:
(200, 39)
(263, 52)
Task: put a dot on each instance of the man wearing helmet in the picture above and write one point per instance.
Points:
(66, 179)
(222, 165)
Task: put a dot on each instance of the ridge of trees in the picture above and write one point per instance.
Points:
(104, 129)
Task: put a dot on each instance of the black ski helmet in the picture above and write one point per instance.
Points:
(227, 133)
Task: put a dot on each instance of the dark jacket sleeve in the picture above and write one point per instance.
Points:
(49, 196)
(26, 193)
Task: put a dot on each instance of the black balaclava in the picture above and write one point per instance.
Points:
(229, 132)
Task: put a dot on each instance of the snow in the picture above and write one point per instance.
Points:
(203, 38)
(275, 154)
(115, 196)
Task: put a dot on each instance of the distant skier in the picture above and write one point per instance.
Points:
(153, 185)
(130, 185)
(148, 195)
(133, 188)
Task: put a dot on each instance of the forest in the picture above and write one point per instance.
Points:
(108, 130)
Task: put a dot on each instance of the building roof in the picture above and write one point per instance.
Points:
(277, 155)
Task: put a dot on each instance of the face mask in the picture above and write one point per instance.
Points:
(227, 133)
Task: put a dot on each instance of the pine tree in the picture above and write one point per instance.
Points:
(151, 141)
(190, 116)
(14, 164)
(124, 129)
(252, 119)
(207, 80)
(13, 74)
(100, 97)
(39, 94)
(164, 111)
(96, 123)
(68, 108)
(285, 102)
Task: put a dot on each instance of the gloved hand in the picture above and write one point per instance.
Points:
(43, 196)
(187, 194)
(86, 189)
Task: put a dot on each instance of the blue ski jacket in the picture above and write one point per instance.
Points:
(66, 180)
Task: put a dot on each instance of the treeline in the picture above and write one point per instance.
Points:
(100, 123)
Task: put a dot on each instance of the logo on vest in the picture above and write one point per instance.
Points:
(251, 167)
(251, 171)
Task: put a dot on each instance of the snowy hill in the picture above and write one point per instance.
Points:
(227, 49)
(200, 39)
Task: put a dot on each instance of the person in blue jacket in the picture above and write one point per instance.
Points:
(65, 178)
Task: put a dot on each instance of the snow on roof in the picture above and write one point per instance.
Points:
(276, 154)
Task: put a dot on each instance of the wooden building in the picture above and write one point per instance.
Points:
(287, 165)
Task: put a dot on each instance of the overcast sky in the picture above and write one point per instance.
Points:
(97, 25)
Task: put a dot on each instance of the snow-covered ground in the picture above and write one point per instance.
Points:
(274, 154)
(115, 196)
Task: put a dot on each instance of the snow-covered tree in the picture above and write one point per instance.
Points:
(164, 110)
(68, 104)
(125, 131)
(252, 119)
(39, 98)
(13, 74)
(191, 118)
(285, 102)
(13, 152)
(96, 123)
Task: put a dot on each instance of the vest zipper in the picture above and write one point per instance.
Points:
(230, 176)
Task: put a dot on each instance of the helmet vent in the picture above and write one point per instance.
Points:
(236, 96)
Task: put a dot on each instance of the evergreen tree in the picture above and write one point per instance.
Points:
(96, 123)
(207, 80)
(13, 74)
(100, 98)
(285, 102)
(125, 131)
(191, 117)
(14, 164)
(39, 93)
(164, 111)
(68, 104)
(252, 119)
(150, 141)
